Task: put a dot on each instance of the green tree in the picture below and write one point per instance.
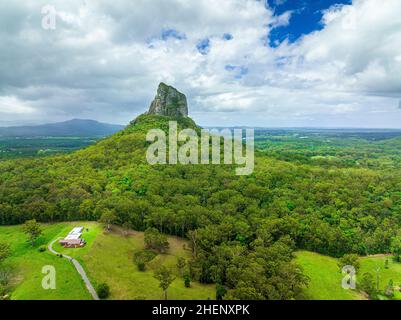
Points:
(187, 279)
(155, 240)
(396, 247)
(165, 277)
(367, 283)
(349, 260)
(193, 237)
(181, 264)
(103, 291)
(108, 218)
(33, 230)
(220, 291)
(389, 291)
(141, 265)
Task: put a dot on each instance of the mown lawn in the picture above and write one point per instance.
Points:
(27, 263)
(110, 260)
(91, 231)
(376, 266)
(107, 257)
(326, 279)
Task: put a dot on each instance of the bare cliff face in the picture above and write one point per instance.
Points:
(169, 102)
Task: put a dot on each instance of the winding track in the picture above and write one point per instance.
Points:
(79, 268)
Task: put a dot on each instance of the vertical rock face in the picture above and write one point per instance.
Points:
(169, 102)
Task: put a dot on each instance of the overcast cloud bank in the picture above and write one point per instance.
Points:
(105, 59)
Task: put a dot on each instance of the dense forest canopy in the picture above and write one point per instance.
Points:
(243, 229)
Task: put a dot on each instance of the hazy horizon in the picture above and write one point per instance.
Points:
(217, 127)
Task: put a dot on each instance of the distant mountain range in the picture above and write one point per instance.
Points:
(75, 127)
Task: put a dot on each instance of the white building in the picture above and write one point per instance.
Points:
(74, 238)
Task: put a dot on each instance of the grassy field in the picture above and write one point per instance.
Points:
(107, 257)
(376, 266)
(325, 277)
(28, 262)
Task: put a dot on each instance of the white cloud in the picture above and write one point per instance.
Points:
(106, 58)
(12, 105)
(358, 46)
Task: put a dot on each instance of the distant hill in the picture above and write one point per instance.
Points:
(75, 127)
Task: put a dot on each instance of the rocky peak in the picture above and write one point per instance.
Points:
(169, 102)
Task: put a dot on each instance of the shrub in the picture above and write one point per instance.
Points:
(181, 263)
(155, 240)
(3, 292)
(142, 257)
(187, 280)
(367, 284)
(5, 278)
(42, 249)
(141, 265)
(389, 291)
(220, 291)
(349, 260)
(103, 291)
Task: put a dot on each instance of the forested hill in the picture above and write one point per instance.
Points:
(243, 230)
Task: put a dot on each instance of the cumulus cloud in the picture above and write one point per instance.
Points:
(357, 48)
(105, 59)
(12, 105)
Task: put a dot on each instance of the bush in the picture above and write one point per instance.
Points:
(103, 291)
(349, 260)
(141, 265)
(389, 291)
(220, 291)
(141, 258)
(5, 278)
(187, 280)
(181, 264)
(42, 249)
(367, 284)
(155, 240)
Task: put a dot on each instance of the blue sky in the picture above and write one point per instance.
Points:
(280, 63)
(306, 17)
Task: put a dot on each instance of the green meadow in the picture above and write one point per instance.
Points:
(325, 276)
(27, 263)
(376, 266)
(107, 257)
